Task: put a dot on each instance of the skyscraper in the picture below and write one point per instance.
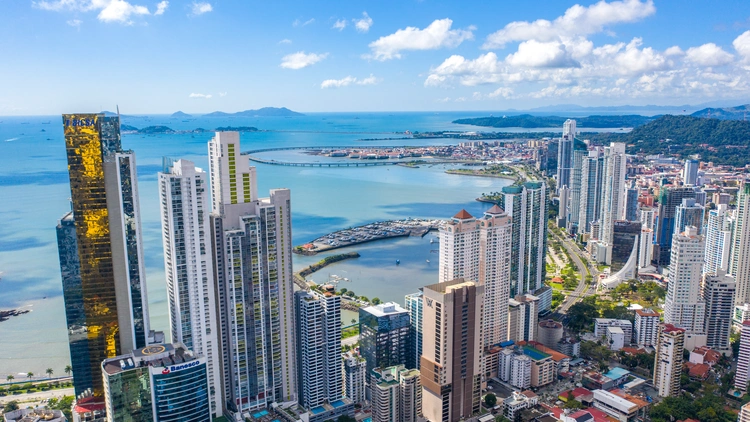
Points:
(684, 306)
(718, 295)
(574, 207)
(742, 375)
(739, 265)
(480, 250)
(383, 335)
(109, 314)
(631, 204)
(688, 213)
(188, 265)
(670, 344)
(414, 305)
(252, 240)
(669, 198)
(718, 240)
(613, 198)
(690, 172)
(625, 244)
(527, 205)
(318, 348)
(565, 154)
(592, 181)
(451, 372)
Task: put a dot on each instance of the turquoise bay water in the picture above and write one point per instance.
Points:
(34, 194)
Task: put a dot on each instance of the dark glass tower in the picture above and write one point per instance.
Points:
(105, 296)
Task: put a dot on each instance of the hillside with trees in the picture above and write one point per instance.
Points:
(529, 121)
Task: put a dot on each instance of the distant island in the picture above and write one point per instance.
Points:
(261, 112)
(158, 130)
(528, 121)
(180, 115)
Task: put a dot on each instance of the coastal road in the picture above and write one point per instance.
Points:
(581, 290)
(29, 399)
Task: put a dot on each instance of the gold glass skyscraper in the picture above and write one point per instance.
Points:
(108, 315)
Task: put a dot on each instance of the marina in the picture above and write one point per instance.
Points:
(371, 232)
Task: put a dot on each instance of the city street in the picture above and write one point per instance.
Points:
(32, 399)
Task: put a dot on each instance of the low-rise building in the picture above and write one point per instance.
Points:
(618, 406)
(596, 381)
(615, 338)
(601, 325)
(517, 402)
(569, 346)
(542, 366)
(549, 333)
(40, 414)
(561, 360)
(704, 355)
(619, 376)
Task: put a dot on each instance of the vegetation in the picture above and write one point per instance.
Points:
(497, 170)
(641, 360)
(720, 141)
(529, 121)
(708, 407)
(646, 293)
(490, 400)
(327, 261)
(350, 332)
(501, 418)
(236, 129)
(557, 299)
(64, 404)
(581, 315)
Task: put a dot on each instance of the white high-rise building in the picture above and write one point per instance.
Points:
(670, 344)
(684, 307)
(646, 326)
(480, 250)
(523, 313)
(739, 264)
(718, 240)
(188, 265)
(742, 376)
(252, 239)
(520, 371)
(355, 371)
(565, 154)
(648, 217)
(690, 172)
(744, 415)
(592, 180)
(318, 348)
(689, 213)
(718, 294)
(646, 248)
(613, 198)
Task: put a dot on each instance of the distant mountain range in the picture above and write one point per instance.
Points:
(261, 112)
(727, 113)
(153, 130)
(528, 121)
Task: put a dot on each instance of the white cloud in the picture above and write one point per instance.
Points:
(437, 35)
(109, 10)
(285, 41)
(577, 20)
(674, 51)
(201, 8)
(340, 24)
(541, 54)
(708, 55)
(484, 69)
(364, 24)
(301, 59)
(443, 100)
(338, 83)
(222, 94)
(161, 8)
(76, 23)
(196, 95)
(742, 45)
(503, 92)
(298, 22)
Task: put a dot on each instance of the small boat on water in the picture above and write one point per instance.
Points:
(428, 261)
(398, 261)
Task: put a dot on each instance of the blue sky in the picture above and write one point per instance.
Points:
(153, 56)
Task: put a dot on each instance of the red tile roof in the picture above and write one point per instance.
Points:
(699, 371)
(495, 210)
(647, 313)
(89, 404)
(463, 215)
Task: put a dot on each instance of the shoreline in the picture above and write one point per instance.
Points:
(496, 176)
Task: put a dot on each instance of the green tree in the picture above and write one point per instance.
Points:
(501, 418)
(581, 315)
(376, 301)
(10, 406)
(68, 369)
(30, 375)
(64, 404)
(10, 378)
(49, 372)
(490, 400)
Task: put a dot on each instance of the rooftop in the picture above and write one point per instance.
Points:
(450, 285)
(535, 353)
(152, 355)
(616, 373)
(463, 215)
(388, 308)
(647, 313)
(495, 210)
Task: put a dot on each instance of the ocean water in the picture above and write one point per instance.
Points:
(34, 194)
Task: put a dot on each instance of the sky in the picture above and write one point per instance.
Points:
(150, 56)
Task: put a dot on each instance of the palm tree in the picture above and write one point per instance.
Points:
(49, 372)
(10, 378)
(30, 374)
(68, 369)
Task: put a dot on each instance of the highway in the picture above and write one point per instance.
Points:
(581, 290)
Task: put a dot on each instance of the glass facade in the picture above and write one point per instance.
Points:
(129, 393)
(181, 395)
(383, 336)
(87, 138)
